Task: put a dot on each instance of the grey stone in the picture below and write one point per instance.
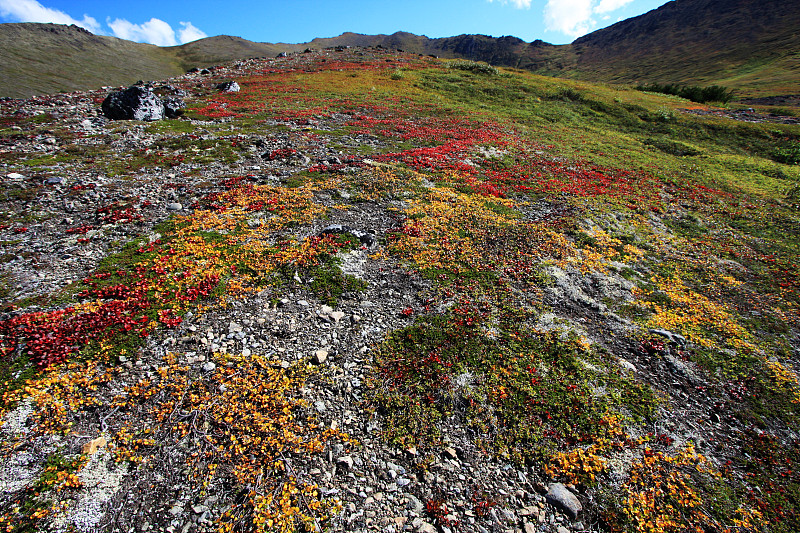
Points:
(134, 103)
(397, 468)
(425, 527)
(173, 107)
(229, 87)
(345, 462)
(208, 367)
(174, 206)
(675, 338)
(682, 368)
(560, 497)
(414, 504)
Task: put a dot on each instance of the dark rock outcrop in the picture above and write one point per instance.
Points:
(173, 107)
(229, 87)
(134, 103)
(141, 103)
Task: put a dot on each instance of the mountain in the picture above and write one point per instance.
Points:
(47, 58)
(224, 48)
(750, 46)
(734, 42)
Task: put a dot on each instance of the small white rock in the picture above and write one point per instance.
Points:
(320, 356)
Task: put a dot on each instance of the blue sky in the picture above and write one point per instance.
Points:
(294, 21)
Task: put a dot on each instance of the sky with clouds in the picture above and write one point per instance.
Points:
(181, 21)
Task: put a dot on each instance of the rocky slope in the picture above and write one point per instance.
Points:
(342, 299)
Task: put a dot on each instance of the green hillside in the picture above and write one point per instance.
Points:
(48, 58)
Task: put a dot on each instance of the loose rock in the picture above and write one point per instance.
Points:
(560, 497)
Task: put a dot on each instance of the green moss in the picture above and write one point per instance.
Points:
(527, 394)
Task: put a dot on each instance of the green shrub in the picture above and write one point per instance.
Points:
(788, 154)
(474, 66)
(695, 93)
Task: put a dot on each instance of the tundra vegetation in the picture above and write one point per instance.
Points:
(552, 226)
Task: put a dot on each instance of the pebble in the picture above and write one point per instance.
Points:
(320, 356)
(91, 447)
(209, 366)
(345, 461)
(425, 527)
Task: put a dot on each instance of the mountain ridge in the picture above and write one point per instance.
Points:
(751, 47)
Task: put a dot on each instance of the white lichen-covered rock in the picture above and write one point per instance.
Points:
(101, 479)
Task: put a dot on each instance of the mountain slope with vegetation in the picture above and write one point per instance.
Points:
(48, 58)
(752, 47)
(374, 291)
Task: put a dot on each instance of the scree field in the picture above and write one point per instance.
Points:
(376, 291)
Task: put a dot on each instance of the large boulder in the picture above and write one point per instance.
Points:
(173, 106)
(229, 87)
(134, 103)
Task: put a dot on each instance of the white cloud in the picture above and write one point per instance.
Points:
(155, 31)
(190, 33)
(571, 17)
(574, 17)
(33, 11)
(519, 4)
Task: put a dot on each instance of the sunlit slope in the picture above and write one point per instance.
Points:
(554, 281)
(48, 58)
